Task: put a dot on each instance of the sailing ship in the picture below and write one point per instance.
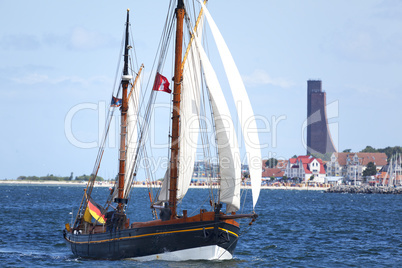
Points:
(393, 176)
(105, 232)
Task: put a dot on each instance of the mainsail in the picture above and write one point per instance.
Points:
(228, 149)
(245, 112)
(189, 124)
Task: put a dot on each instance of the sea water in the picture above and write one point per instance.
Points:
(294, 229)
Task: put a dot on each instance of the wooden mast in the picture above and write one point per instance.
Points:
(123, 128)
(174, 161)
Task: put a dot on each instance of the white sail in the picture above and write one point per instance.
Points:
(400, 170)
(189, 124)
(245, 112)
(228, 148)
(132, 134)
(391, 173)
(164, 192)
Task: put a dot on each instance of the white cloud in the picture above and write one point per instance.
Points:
(23, 42)
(83, 39)
(79, 39)
(35, 78)
(261, 77)
(364, 90)
(32, 79)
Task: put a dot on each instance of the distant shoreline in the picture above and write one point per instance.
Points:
(107, 184)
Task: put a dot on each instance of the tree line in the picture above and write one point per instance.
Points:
(389, 151)
(51, 177)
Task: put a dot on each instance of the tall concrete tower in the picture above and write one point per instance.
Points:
(318, 136)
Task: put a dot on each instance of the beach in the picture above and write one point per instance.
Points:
(141, 184)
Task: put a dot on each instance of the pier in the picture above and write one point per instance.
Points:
(364, 189)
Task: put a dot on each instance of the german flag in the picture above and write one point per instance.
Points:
(96, 211)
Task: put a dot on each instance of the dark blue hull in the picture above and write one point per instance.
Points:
(155, 240)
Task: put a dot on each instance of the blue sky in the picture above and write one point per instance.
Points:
(56, 55)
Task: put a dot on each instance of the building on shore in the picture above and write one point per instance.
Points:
(334, 180)
(268, 173)
(306, 168)
(351, 165)
(319, 140)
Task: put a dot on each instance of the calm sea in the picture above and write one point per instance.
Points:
(294, 229)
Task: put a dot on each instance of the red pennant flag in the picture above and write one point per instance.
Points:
(161, 83)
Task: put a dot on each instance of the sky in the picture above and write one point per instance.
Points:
(58, 64)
